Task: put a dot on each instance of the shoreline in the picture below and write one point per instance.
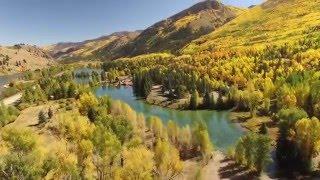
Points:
(243, 119)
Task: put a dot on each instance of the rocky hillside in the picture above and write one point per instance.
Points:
(273, 22)
(100, 48)
(23, 57)
(175, 32)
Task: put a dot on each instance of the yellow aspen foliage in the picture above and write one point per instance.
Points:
(268, 87)
(185, 137)
(173, 132)
(205, 145)
(308, 137)
(140, 127)
(157, 127)
(138, 163)
(87, 101)
(24, 156)
(84, 150)
(167, 160)
(62, 162)
(74, 126)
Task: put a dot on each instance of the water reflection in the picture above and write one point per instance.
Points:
(222, 132)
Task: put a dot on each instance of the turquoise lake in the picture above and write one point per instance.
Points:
(223, 133)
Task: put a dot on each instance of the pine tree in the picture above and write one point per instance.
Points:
(212, 102)
(263, 129)
(207, 100)
(147, 86)
(92, 114)
(42, 117)
(220, 103)
(50, 113)
(194, 100)
(103, 76)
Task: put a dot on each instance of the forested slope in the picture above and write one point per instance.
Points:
(273, 22)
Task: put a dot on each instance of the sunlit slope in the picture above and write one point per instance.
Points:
(21, 57)
(173, 33)
(105, 47)
(273, 22)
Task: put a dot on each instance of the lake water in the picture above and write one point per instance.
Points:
(8, 78)
(223, 133)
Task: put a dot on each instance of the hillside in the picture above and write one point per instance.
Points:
(22, 57)
(168, 35)
(173, 33)
(273, 22)
(102, 47)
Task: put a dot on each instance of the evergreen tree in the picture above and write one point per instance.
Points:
(147, 86)
(50, 113)
(92, 114)
(194, 100)
(263, 129)
(220, 102)
(72, 90)
(212, 102)
(262, 152)
(42, 117)
(207, 100)
(142, 83)
(181, 91)
(103, 75)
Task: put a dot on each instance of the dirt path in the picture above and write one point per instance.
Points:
(219, 167)
(12, 99)
(211, 171)
(28, 117)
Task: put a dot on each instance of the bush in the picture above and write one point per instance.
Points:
(7, 114)
(42, 117)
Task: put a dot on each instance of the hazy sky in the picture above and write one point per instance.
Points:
(49, 21)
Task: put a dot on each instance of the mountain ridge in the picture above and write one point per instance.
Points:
(69, 49)
(168, 35)
(172, 33)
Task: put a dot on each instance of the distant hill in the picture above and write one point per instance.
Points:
(169, 35)
(175, 32)
(23, 57)
(273, 22)
(102, 47)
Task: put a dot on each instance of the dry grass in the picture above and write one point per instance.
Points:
(35, 59)
(274, 22)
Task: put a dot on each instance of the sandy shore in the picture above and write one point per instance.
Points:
(156, 97)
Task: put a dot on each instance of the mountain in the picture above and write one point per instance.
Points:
(168, 35)
(21, 57)
(175, 32)
(102, 47)
(274, 22)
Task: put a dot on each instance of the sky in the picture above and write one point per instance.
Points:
(43, 22)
